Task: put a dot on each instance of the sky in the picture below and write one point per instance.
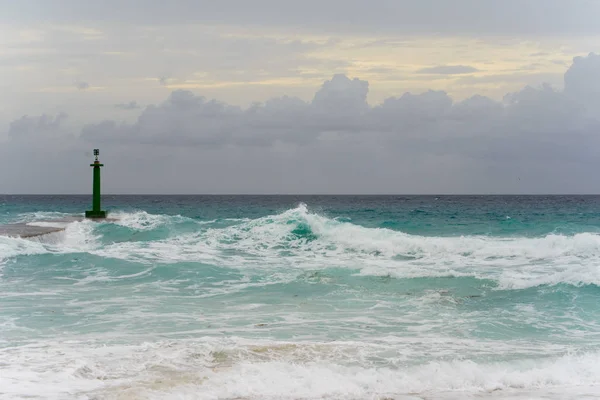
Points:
(313, 97)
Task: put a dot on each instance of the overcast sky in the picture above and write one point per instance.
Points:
(266, 96)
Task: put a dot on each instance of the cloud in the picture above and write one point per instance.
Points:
(126, 57)
(337, 143)
(506, 78)
(448, 70)
(341, 94)
(186, 119)
(33, 128)
(182, 120)
(577, 78)
(132, 105)
(229, 62)
(82, 85)
(340, 106)
(515, 17)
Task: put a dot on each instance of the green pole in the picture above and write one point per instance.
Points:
(96, 212)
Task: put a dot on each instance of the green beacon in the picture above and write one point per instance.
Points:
(96, 212)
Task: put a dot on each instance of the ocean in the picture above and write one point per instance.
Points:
(303, 297)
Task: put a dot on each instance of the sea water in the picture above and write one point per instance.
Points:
(314, 297)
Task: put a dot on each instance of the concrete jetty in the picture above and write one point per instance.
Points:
(24, 230)
(43, 227)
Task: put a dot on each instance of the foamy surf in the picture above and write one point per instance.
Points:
(236, 368)
(298, 238)
(251, 303)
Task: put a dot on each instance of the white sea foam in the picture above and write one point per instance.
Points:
(76, 238)
(42, 215)
(299, 239)
(234, 368)
(12, 247)
(142, 220)
(271, 242)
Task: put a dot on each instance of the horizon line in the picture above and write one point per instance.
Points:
(303, 194)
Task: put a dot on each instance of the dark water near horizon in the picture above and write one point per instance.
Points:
(303, 297)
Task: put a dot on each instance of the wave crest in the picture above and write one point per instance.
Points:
(298, 239)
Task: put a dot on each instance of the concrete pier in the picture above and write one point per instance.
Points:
(24, 230)
(39, 228)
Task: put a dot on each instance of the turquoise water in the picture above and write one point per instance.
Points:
(284, 297)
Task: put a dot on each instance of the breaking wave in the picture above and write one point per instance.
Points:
(298, 239)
